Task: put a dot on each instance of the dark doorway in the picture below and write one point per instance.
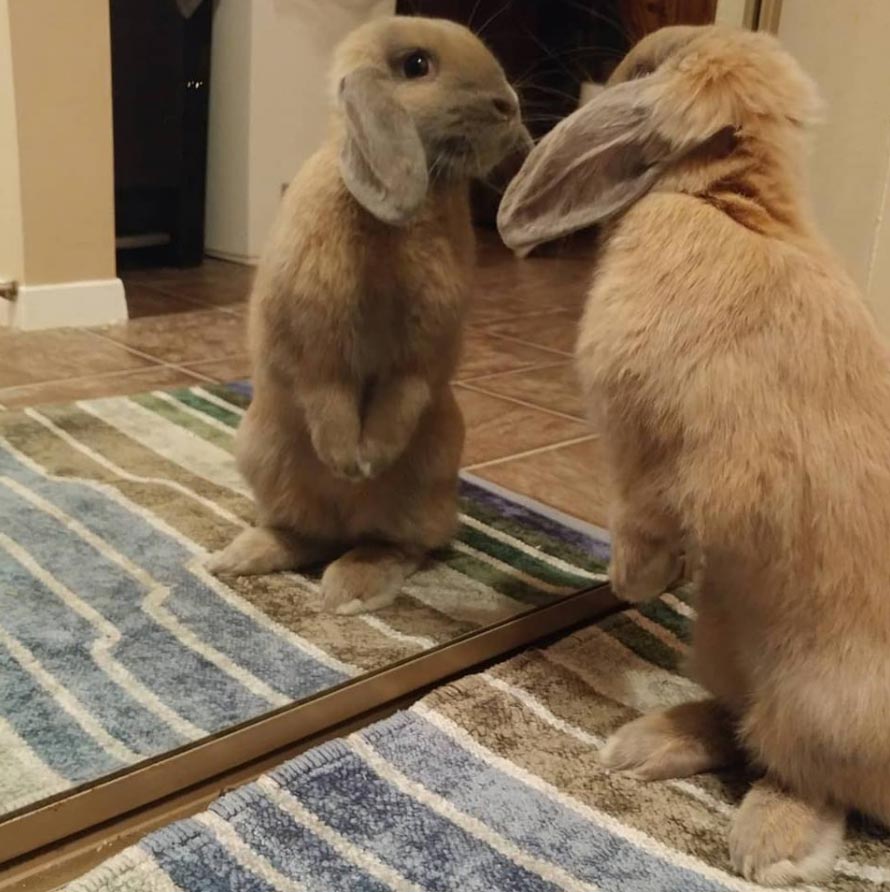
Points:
(550, 47)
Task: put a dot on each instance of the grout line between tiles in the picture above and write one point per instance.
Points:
(77, 378)
(480, 466)
(511, 317)
(120, 373)
(196, 374)
(167, 292)
(533, 368)
(157, 360)
(523, 368)
(196, 302)
(140, 353)
(507, 317)
(224, 358)
(511, 339)
(523, 403)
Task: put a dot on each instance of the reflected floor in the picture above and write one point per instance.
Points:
(118, 646)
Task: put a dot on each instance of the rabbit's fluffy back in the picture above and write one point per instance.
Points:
(743, 379)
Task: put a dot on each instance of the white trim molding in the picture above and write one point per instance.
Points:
(98, 302)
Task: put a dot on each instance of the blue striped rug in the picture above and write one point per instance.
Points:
(489, 784)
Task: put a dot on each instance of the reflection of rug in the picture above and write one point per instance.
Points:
(115, 645)
(487, 785)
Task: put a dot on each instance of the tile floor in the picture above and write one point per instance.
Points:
(525, 419)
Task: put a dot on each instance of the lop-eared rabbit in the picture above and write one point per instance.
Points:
(353, 440)
(744, 394)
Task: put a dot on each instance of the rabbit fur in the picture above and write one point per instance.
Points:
(744, 393)
(353, 439)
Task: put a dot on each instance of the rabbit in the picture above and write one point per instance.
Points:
(745, 394)
(352, 442)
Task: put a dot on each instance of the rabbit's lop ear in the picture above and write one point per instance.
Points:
(706, 86)
(383, 162)
(591, 166)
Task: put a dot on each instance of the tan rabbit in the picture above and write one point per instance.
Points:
(353, 440)
(745, 393)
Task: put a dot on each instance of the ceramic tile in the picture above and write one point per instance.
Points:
(210, 270)
(506, 288)
(552, 387)
(32, 357)
(487, 355)
(522, 321)
(571, 478)
(95, 386)
(497, 428)
(213, 283)
(233, 368)
(183, 338)
(144, 300)
(555, 331)
(221, 293)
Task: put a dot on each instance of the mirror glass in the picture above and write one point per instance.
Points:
(126, 270)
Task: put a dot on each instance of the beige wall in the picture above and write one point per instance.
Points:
(12, 261)
(845, 46)
(60, 53)
(268, 107)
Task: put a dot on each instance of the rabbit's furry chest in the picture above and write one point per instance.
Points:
(343, 293)
(396, 326)
(401, 304)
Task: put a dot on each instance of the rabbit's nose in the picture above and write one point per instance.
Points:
(506, 107)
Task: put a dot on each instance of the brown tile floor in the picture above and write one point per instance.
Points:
(525, 418)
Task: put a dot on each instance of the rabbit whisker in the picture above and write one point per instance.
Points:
(491, 20)
(473, 14)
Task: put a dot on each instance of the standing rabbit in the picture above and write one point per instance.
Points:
(353, 440)
(745, 393)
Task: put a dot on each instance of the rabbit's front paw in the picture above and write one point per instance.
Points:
(342, 461)
(640, 573)
(377, 456)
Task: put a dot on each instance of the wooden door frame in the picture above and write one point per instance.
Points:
(768, 14)
(756, 15)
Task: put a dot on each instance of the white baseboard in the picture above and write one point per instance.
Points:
(99, 302)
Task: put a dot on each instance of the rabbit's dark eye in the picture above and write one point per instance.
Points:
(416, 64)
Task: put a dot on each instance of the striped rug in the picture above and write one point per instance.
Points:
(116, 645)
(489, 784)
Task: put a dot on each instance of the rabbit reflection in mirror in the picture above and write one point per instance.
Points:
(353, 440)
